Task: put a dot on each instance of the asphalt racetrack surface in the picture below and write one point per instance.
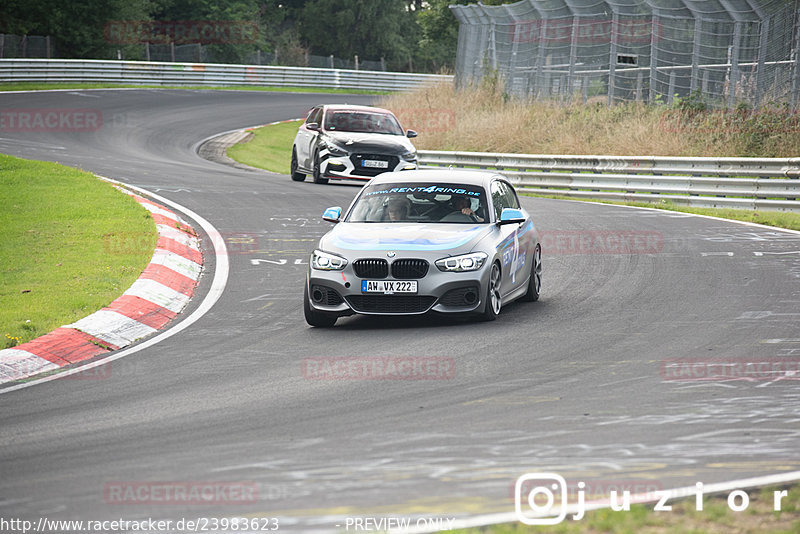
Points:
(583, 383)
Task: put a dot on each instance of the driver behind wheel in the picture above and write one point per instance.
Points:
(463, 205)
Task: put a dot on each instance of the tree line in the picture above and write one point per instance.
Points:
(419, 35)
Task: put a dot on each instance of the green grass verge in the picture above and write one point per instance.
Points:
(715, 517)
(71, 244)
(26, 86)
(270, 147)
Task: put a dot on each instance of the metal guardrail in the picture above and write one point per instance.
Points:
(212, 74)
(747, 183)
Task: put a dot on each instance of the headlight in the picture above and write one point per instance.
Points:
(333, 148)
(327, 262)
(460, 264)
(410, 156)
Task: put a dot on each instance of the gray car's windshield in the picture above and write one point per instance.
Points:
(423, 203)
(362, 122)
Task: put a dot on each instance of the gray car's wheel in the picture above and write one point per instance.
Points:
(318, 178)
(535, 282)
(296, 176)
(493, 299)
(315, 318)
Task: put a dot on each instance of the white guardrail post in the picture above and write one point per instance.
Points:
(211, 74)
(747, 183)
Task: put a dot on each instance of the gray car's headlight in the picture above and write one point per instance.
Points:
(327, 262)
(333, 148)
(410, 156)
(465, 262)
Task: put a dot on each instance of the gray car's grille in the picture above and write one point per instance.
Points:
(371, 268)
(360, 170)
(390, 303)
(409, 269)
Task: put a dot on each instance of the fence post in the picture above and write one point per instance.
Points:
(24, 46)
(2, 43)
(796, 67)
(654, 35)
(573, 56)
(46, 44)
(172, 51)
(331, 59)
(612, 57)
(762, 56)
(540, 59)
(147, 51)
(734, 61)
(356, 58)
(698, 27)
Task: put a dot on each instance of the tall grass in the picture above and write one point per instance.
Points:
(483, 118)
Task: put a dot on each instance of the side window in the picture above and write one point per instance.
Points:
(314, 115)
(511, 197)
(498, 198)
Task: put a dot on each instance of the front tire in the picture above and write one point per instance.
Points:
(493, 300)
(535, 282)
(315, 318)
(318, 178)
(296, 176)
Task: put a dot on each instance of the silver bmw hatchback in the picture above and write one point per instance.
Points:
(425, 241)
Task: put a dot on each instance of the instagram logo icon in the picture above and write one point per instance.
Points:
(537, 491)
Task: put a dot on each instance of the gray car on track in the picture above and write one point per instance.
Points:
(441, 241)
(346, 142)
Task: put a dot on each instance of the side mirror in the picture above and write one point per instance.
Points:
(313, 126)
(511, 216)
(411, 133)
(332, 214)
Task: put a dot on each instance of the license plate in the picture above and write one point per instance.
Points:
(375, 163)
(388, 286)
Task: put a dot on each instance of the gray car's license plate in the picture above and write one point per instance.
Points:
(375, 163)
(388, 286)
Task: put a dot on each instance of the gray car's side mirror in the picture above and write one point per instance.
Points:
(313, 126)
(411, 133)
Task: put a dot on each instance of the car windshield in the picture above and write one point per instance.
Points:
(362, 122)
(420, 203)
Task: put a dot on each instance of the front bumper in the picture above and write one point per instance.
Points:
(339, 293)
(349, 167)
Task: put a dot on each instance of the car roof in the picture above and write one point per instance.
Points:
(353, 107)
(449, 176)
